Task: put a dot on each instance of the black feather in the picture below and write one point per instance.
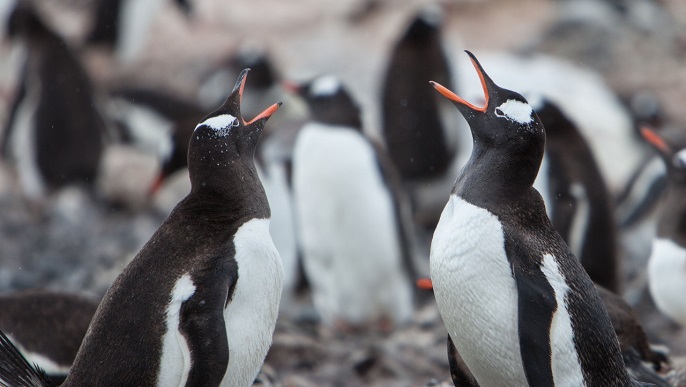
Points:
(15, 370)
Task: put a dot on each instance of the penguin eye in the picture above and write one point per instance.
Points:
(235, 123)
(499, 112)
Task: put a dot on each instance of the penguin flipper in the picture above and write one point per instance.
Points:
(401, 207)
(15, 370)
(459, 372)
(536, 306)
(202, 321)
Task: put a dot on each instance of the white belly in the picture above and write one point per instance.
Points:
(477, 298)
(667, 278)
(251, 315)
(348, 228)
(476, 293)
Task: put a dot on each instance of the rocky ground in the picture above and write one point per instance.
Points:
(79, 242)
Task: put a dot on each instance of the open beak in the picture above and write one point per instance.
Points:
(457, 99)
(237, 96)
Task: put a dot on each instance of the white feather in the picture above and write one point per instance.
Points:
(348, 228)
(565, 363)
(176, 357)
(325, 86)
(476, 295)
(222, 124)
(46, 364)
(582, 214)
(476, 292)
(667, 278)
(251, 314)
(23, 141)
(282, 225)
(515, 111)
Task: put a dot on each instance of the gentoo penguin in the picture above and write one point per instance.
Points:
(349, 214)
(198, 304)
(54, 133)
(576, 197)
(667, 263)
(416, 120)
(517, 304)
(48, 327)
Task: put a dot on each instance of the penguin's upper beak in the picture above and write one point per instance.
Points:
(236, 97)
(485, 84)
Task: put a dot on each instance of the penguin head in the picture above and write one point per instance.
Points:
(329, 102)
(224, 140)
(673, 157)
(506, 124)
(24, 21)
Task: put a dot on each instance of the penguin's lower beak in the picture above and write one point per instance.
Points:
(461, 101)
(266, 113)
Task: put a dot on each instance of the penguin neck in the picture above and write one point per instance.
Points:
(496, 176)
(235, 192)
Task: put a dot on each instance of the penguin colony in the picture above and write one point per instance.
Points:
(522, 252)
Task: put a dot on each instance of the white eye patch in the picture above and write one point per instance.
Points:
(325, 86)
(222, 124)
(517, 111)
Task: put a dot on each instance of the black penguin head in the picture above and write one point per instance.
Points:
(329, 102)
(25, 21)
(673, 157)
(425, 26)
(224, 142)
(506, 124)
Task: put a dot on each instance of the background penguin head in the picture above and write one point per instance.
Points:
(24, 21)
(224, 141)
(329, 102)
(674, 156)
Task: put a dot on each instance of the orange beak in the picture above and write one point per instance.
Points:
(266, 113)
(455, 98)
(655, 140)
(425, 283)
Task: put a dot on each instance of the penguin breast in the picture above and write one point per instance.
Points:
(476, 292)
(250, 315)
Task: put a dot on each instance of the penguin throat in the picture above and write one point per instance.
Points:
(496, 173)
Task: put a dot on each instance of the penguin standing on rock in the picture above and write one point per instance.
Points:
(517, 304)
(198, 305)
(667, 263)
(349, 211)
